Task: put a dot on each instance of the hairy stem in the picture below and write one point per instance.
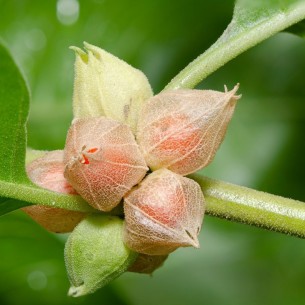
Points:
(224, 200)
(36, 195)
(252, 207)
(232, 43)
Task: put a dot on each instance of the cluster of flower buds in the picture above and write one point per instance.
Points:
(128, 147)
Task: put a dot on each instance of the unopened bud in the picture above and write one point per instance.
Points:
(162, 213)
(95, 254)
(103, 161)
(181, 130)
(107, 86)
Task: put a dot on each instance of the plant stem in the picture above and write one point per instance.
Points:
(233, 42)
(36, 195)
(252, 207)
(224, 200)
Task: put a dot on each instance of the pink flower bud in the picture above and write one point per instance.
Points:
(103, 161)
(48, 172)
(162, 213)
(181, 130)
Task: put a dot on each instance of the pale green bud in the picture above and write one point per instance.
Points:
(95, 254)
(105, 85)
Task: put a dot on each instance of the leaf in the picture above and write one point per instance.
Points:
(14, 183)
(252, 22)
(14, 103)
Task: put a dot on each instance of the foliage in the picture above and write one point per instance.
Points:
(14, 192)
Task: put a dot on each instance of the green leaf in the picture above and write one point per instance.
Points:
(252, 22)
(14, 103)
(14, 183)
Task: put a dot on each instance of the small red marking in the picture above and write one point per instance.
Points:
(92, 150)
(85, 160)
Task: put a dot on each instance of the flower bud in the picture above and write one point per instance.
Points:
(107, 86)
(162, 213)
(48, 172)
(147, 263)
(95, 254)
(181, 130)
(103, 161)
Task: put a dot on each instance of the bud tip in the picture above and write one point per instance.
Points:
(232, 92)
(193, 239)
(195, 243)
(76, 291)
(79, 52)
(93, 49)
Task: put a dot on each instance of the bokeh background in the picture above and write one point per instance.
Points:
(264, 148)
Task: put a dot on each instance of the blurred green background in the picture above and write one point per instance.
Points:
(264, 148)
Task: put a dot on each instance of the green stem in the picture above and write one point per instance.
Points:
(232, 43)
(252, 207)
(224, 200)
(37, 195)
